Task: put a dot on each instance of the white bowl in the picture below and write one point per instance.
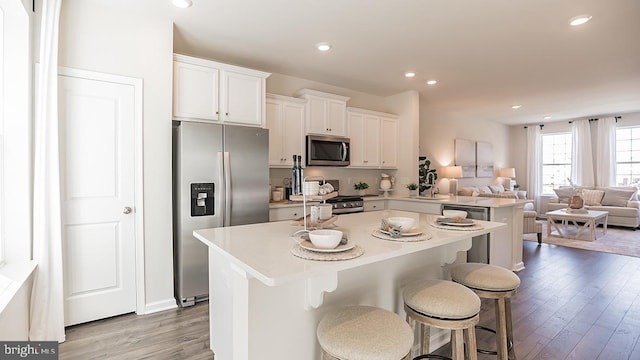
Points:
(325, 239)
(404, 223)
(454, 214)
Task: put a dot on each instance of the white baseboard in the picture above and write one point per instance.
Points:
(158, 306)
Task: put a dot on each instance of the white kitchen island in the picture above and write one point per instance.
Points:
(265, 303)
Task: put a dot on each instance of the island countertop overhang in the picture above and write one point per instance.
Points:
(263, 250)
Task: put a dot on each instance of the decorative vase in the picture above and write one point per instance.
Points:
(361, 192)
(413, 193)
(576, 202)
(385, 183)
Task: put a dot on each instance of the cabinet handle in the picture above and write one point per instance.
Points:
(374, 206)
(217, 113)
(295, 214)
(227, 114)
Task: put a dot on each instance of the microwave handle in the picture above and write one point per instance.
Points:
(344, 151)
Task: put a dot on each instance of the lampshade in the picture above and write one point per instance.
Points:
(453, 172)
(507, 173)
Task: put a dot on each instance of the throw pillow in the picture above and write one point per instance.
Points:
(484, 189)
(564, 194)
(592, 197)
(467, 191)
(614, 197)
(496, 188)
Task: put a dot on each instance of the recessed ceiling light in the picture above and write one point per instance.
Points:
(579, 20)
(516, 107)
(548, 117)
(432, 82)
(182, 3)
(409, 74)
(323, 46)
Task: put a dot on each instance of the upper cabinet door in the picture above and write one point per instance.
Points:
(326, 113)
(388, 142)
(195, 91)
(205, 90)
(285, 121)
(336, 119)
(243, 98)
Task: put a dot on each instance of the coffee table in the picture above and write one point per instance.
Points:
(570, 220)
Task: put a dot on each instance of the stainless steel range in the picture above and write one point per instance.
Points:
(345, 204)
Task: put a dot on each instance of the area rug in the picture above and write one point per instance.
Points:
(617, 240)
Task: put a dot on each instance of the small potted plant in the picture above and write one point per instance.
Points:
(361, 187)
(413, 189)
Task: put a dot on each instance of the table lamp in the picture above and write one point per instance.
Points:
(508, 173)
(453, 173)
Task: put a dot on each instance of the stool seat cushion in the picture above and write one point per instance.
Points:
(485, 277)
(441, 299)
(365, 333)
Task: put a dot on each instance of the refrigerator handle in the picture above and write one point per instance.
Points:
(227, 190)
(220, 204)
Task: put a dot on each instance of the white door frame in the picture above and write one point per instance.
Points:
(138, 161)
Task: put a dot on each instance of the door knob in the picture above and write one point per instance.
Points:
(126, 210)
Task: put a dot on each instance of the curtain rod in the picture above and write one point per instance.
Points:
(541, 126)
(596, 119)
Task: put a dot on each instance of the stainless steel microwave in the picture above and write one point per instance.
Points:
(325, 150)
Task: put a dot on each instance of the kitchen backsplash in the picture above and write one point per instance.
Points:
(346, 176)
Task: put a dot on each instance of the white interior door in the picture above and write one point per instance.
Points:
(97, 143)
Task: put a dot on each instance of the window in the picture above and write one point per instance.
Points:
(556, 161)
(628, 156)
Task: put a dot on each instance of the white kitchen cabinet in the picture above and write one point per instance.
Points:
(388, 142)
(325, 113)
(374, 205)
(205, 90)
(363, 130)
(287, 213)
(285, 121)
(374, 139)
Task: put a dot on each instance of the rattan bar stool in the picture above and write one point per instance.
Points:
(499, 284)
(445, 305)
(364, 333)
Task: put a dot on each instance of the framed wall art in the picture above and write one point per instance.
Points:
(465, 156)
(484, 159)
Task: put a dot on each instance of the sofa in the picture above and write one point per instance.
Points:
(494, 191)
(622, 203)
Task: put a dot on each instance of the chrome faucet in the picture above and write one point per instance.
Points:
(432, 182)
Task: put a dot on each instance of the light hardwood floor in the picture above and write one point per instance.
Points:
(572, 304)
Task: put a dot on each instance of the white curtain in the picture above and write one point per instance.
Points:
(581, 154)
(534, 163)
(606, 152)
(47, 299)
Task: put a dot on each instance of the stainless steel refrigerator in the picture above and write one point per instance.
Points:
(220, 178)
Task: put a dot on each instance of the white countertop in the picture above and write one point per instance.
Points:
(264, 250)
(440, 199)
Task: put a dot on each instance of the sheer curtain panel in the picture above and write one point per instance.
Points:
(606, 152)
(534, 163)
(581, 154)
(47, 299)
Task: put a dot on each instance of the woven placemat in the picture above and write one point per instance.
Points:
(473, 227)
(420, 237)
(298, 251)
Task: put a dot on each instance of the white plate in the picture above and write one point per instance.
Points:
(466, 222)
(411, 232)
(306, 244)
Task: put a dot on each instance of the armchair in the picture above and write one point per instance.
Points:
(529, 223)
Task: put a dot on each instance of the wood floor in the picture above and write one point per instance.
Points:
(572, 304)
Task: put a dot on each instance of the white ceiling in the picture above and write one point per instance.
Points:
(486, 54)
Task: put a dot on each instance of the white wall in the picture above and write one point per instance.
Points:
(439, 129)
(122, 37)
